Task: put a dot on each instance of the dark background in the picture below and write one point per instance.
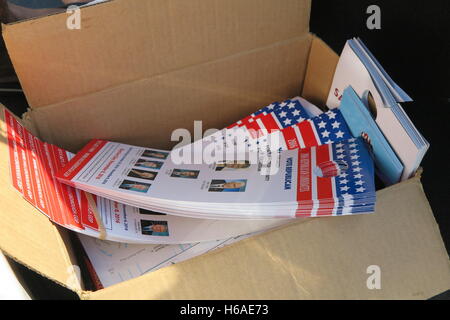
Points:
(413, 45)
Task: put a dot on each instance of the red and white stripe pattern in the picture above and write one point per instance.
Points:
(38, 162)
(316, 195)
(330, 168)
(302, 135)
(326, 128)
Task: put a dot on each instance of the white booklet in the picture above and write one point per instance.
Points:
(358, 68)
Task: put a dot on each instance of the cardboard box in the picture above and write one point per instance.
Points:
(135, 71)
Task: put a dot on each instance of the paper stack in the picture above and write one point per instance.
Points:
(284, 161)
(232, 197)
(33, 165)
(358, 68)
(306, 181)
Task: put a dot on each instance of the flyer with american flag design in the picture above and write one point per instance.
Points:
(263, 191)
(33, 166)
(300, 182)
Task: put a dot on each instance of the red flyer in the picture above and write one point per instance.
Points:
(35, 175)
(69, 197)
(16, 173)
(26, 180)
(46, 179)
(57, 207)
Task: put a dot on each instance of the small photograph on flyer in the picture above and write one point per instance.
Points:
(232, 165)
(149, 164)
(154, 228)
(142, 174)
(184, 173)
(149, 153)
(227, 185)
(151, 213)
(134, 186)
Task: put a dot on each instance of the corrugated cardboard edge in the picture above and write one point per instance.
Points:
(57, 245)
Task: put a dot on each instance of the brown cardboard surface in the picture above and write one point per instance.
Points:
(163, 65)
(322, 258)
(26, 234)
(322, 62)
(126, 40)
(146, 112)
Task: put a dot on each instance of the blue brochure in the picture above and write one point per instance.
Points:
(360, 122)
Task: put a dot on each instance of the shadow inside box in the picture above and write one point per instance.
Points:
(39, 287)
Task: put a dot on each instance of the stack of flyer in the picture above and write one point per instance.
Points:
(286, 161)
(141, 195)
(358, 68)
(34, 164)
(330, 179)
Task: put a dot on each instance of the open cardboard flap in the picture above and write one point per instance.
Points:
(162, 65)
(121, 41)
(146, 112)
